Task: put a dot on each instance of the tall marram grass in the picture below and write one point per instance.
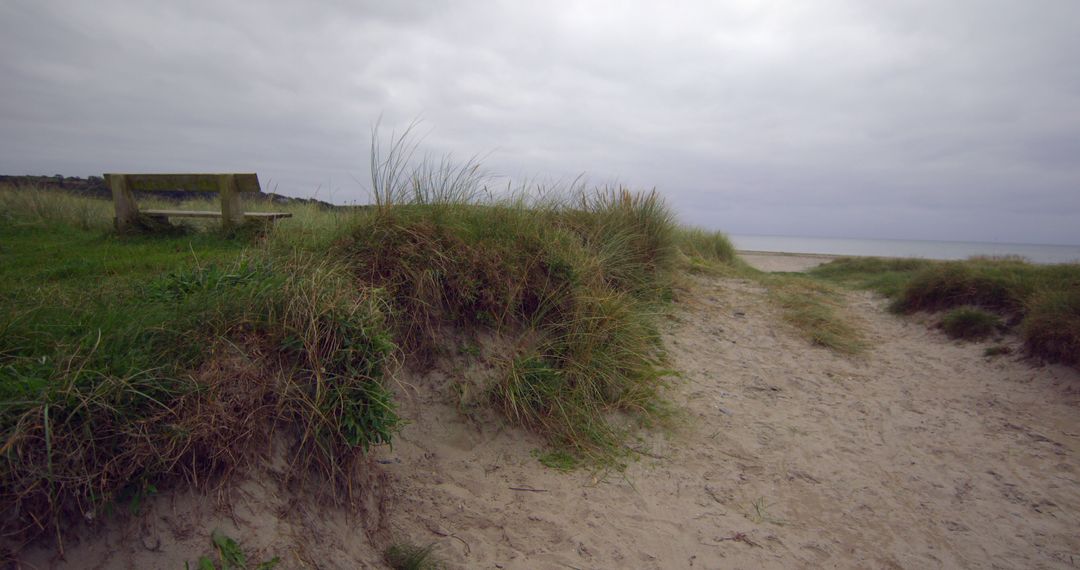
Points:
(574, 285)
(703, 248)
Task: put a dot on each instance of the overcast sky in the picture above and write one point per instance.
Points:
(914, 119)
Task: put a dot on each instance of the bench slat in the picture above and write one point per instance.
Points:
(245, 182)
(211, 214)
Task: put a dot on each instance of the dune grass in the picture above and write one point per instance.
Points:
(407, 556)
(885, 276)
(1041, 302)
(128, 364)
(816, 310)
(970, 323)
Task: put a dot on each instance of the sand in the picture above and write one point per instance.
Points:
(790, 262)
(922, 453)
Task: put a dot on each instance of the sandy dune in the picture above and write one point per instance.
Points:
(921, 454)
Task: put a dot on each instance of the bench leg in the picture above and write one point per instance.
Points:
(127, 211)
(232, 210)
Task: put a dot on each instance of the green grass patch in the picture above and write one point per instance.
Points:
(969, 323)
(1051, 328)
(229, 555)
(1041, 301)
(406, 556)
(128, 364)
(887, 276)
(578, 284)
(816, 310)
(702, 250)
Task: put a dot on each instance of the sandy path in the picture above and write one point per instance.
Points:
(921, 455)
(776, 261)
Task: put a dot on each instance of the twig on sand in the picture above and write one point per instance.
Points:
(529, 489)
(644, 452)
(737, 537)
(439, 531)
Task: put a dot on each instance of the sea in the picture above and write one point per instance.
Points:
(1035, 253)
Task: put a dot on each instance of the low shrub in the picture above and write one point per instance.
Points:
(1052, 327)
(1041, 299)
(955, 284)
(700, 245)
(579, 287)
(970, 323)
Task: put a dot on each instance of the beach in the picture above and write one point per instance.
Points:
(787, 262)
(921, 453)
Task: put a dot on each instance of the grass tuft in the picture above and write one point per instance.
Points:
(969, 323)
(406, 556)
(816, 310)
(1051, 329)
(703, 250)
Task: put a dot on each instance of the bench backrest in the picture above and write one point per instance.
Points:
(186, 182)
(229, 186)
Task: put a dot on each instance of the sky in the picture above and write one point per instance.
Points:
(895, 119)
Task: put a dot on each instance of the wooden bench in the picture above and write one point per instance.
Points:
(230, 187)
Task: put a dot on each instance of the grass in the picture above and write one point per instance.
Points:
(969, 323)
(131, 363)
(885, 276)
(816, 310)
(229, 555)
(758, 512)
(169, 364)
(704, 251)
(406, 556)
(136, 363)
(1041, 302)
(575, 290)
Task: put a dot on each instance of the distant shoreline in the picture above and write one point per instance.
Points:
(828, 256)
(899, 249)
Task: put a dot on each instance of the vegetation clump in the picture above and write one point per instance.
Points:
(970, 323)
(703, 249)
(407, 556)
(1052, 326)
(1041, 301)
(816, 311)
(575, 286)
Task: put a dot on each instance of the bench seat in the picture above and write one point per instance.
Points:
(213, 214)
